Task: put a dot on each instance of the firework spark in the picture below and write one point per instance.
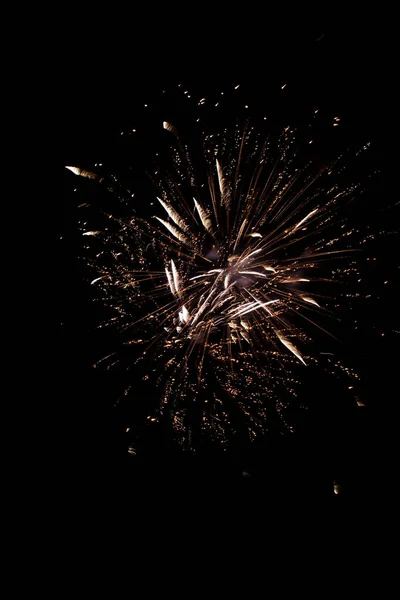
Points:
(234, 297)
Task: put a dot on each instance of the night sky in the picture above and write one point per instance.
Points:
(335, 71)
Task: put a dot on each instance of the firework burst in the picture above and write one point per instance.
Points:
(222, 288)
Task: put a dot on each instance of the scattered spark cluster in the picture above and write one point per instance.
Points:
(224, 287)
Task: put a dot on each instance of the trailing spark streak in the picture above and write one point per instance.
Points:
(305, 219)
(223, 187)
(252, 273)
(84, 173)
(175, 275)
(290, 347)
(174, 215)
(267, 268)
(253, 306)
(184, 315)
(170, 282)
(175, 232)
(240, 233)
(97, 279)
(309, 300)
(294, 280)
(170, 128)
(254, 252)
(205, 219)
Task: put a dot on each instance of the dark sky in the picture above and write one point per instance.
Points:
(106, 84)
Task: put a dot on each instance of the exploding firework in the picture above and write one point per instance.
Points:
(223, 288)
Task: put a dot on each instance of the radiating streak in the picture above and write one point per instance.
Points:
(254, 306)
(170, 128)
(252, 273)
(239, 235)
(204, 216)
(198, 276)
(175, 275)
(245, 337)
(254, 235)
(307, 184)
(293, 280)
(268, 268)
(223, 186)
(170, 282)
(175, 232)
(184, 315)
(213, 200)
(290, 346)
(174, 215)
(305, 219)
(83, 173)
(203, 306)
(93, 233)
(254, 252)
(309, 300)
(98, 279)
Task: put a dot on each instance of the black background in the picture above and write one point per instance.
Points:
(108, 79)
